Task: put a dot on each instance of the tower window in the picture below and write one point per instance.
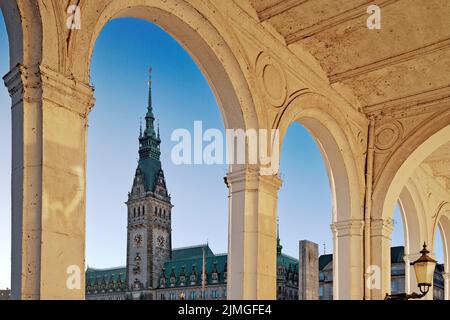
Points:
(156, 210)
(134, 212)
(143, 210)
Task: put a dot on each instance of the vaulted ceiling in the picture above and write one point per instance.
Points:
(439, 163)
(406, 61)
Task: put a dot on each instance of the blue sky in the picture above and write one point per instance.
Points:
(181, 96)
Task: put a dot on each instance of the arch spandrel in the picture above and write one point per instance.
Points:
(400, 160)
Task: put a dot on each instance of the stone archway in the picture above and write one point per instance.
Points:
(406, 160)
(223, 72)
(61, 97)
(338, 151)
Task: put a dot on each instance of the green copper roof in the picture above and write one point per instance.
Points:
(192, 252)
(286, 261)
(177, 266)
(150, 168)
(105, 276)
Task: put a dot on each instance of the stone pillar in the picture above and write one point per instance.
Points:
(252, 234)
(49, 126)
(380, 249)
(410, 276)
(308, 275)
(348, 271)
(446, 286)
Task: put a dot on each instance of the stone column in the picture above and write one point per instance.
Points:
(380, 249)
(252, 234)
(446, 285)
(410, 276)
(308, 275)
(49, 126)
(348, 271)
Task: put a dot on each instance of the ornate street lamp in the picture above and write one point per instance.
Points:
(424, 270)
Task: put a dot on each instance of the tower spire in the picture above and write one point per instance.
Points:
(279, 246)
(149, 117)
(149, 105)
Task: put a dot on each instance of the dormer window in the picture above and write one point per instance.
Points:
(215, 274)
(193, 277)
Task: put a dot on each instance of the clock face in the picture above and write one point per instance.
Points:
(137, 241)
(161, 241)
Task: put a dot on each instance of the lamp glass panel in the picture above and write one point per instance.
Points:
(424, 272)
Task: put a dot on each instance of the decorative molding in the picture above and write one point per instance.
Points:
(23, 83)
(271, 79)
(415, 103)
(353, 227)
(387, 135)
(59, 89)
(279, 8)
(250, 178)
(377, 65)
(36, 83)
(334, 21)
(411, 120)
(381, 227)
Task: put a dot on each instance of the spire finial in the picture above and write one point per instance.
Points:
(279, 246)
(278, 229)
(149, 107)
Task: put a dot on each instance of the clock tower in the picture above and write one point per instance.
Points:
(149, 214)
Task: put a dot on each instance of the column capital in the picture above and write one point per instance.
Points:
(352, 227)
(36, 82)
(446, 276)
(249, 177)
(23, 83)
(381, 227)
